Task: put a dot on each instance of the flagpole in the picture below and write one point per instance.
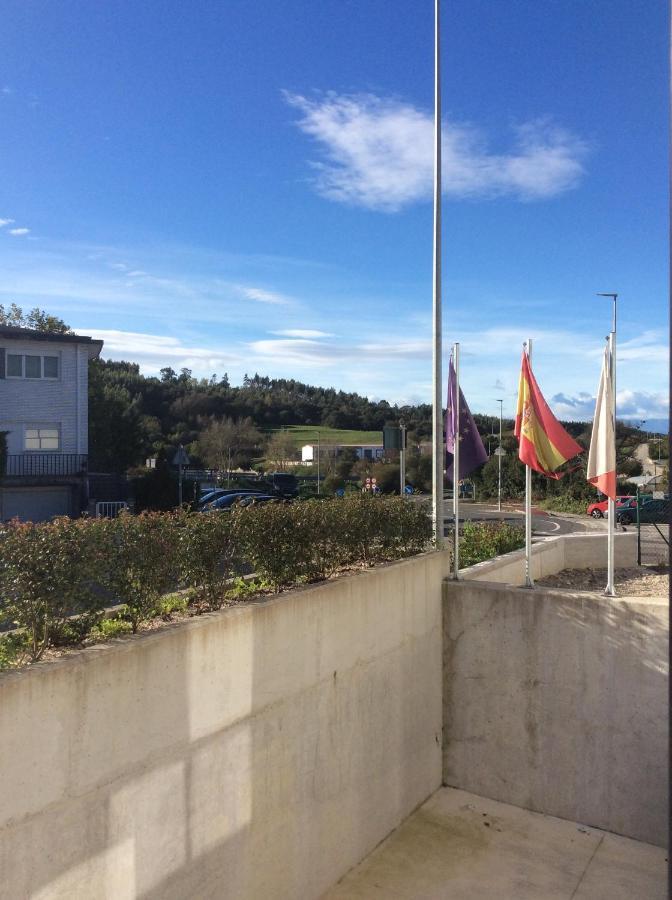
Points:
(438, 448)
(609, 590)
(528, 506)
(456, 464)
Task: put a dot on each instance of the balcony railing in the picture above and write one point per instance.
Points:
(36, 465)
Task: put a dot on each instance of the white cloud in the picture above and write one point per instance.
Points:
(4, 222)
(378, 153)
(260, 295)
(302, 333)
(153, 351)
(17, 232)
(629, 405)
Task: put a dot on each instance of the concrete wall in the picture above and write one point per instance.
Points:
(255, 753)
(567, 551)
(557, 702)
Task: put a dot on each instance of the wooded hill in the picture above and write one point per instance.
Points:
(133, 416)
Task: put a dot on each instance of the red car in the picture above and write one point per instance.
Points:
(598, 510)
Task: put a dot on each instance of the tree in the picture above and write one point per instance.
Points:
(117, 436)
(226, 442)
(37, 319)
(280, 450)
(345, 462)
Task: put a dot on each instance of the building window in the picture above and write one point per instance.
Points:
(50, 366)
(42, 439)
(19, 365)
(33, 366)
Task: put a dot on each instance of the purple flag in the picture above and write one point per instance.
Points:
(472, 451)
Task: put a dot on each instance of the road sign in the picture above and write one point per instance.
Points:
(499, 452)
(181, 458)
(408, 489)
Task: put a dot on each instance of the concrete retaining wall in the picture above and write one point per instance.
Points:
(567, 551)
(557, 702)
(255, 753)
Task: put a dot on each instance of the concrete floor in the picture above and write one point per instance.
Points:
(459, 846)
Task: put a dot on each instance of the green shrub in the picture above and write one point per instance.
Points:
(564, 503)
(110, 628)
(13, 649)
(206, 552)
(141, 561)
(484, 540)
(310, 540)
(47, 575)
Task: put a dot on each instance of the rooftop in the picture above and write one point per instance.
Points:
(11, 332)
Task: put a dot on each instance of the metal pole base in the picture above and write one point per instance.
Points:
(609, 592)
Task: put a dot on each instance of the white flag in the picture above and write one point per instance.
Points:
(602, 454)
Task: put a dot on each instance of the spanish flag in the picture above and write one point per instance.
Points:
(543, 444)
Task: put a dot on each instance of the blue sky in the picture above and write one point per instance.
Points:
(238, 187)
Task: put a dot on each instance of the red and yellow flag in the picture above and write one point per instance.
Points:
(543, 444)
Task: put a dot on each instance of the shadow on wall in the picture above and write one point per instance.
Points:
(260, 752)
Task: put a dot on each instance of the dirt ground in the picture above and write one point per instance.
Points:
(646, 581)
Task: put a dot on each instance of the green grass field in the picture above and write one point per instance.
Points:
(307, 434)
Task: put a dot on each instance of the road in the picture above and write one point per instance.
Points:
(544, 524)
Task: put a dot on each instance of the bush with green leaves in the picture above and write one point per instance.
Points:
(484, 540)
(48, 577)
(206, 553)
(57, 577)
(141, 561)
(311, 540)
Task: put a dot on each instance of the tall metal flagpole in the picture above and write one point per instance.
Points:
(528, 506)
(438, 450)
(610, 591)
(499, 459)
(456, 464)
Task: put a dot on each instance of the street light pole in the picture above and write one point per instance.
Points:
(318, 462)
(499, 460)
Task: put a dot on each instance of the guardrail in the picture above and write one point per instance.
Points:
(45, 464)
(109, 509)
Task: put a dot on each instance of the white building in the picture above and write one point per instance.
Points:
(44, 411)
(331, 451)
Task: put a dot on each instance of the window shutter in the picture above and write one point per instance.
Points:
(2, 362)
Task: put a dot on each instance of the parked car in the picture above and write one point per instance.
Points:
(283, 484)
(216, 493)
(652, 511)
(599, 510)
(227, 500)
(254, 499)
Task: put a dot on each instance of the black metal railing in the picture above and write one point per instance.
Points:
(35, 465)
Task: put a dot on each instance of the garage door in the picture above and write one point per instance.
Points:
(35, 504)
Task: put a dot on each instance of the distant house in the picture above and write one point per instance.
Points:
(44, 411)
(362, 451)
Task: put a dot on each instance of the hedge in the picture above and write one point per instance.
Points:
(57, 578)
(484, 540)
